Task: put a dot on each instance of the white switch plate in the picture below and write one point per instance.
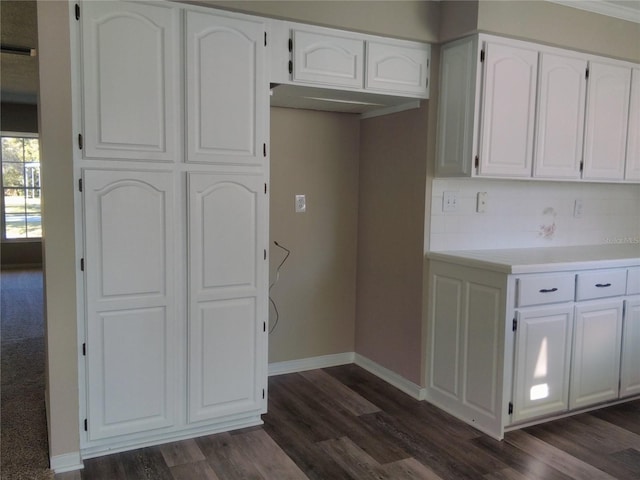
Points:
(481, 204)
(577, 208)
(449, 201)
(301, 204)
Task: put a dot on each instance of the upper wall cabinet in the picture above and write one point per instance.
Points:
(130, 81)
(514, 109)
(633, 138)
(227, 99)
(338, 67)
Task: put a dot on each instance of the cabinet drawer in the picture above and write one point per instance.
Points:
(540, 289)
(601, 283)
(633, 281)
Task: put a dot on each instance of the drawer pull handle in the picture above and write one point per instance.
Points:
(603, 285)
(549, 290)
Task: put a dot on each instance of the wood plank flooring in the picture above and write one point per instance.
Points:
(344, 423)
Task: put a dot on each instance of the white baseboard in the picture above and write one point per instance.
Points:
(324, 361)
(392, 378)
(67, 462)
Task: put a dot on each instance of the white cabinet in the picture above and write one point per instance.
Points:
(226, 82)
(131, 319)
(606, 121)
(508, 110)
(130, 81)
(175, 297)
(560, 116)
(397, 68)
(542, 361)
(630, 359)
(327, 58)
(227, 228)
(632, 171)
(595, 367)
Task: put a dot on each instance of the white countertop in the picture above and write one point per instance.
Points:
(549, 259)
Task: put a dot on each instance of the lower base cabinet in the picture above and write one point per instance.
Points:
(508, 350)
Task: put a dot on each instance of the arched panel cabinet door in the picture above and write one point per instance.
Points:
(227, 90)
(227, 295)
(130, 301)
(398, 68)
(130, 80)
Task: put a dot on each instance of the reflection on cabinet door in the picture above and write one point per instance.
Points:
(560, 120)
(508, 111)
(595, 370)
(227, 97)
(129, 272)
(630, 368)
(543, 358)
(606, 121)
(130, 80)
(227, 300)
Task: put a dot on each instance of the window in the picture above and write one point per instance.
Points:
(21, 212)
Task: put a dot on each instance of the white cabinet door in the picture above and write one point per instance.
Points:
(400, 69)
(326, 58)
(606, 121)
(630, 367)
(130, 81)
(130, 304)
(542, 362)
(508, 111)
(632, 171)
(227, 90)
(595, 370)
(560, 120)
(456, 138)
(227, 295)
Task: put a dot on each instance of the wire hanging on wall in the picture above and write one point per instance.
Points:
(275, 308)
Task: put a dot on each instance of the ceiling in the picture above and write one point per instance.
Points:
(18, 28)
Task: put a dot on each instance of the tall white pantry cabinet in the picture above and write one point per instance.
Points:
(172, 162)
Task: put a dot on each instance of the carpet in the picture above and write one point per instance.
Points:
(23, 428)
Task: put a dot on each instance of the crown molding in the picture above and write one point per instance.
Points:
(605, 7)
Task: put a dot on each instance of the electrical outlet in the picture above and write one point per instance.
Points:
(301, 204)
(481, 204)
(577, 208)
(449, 201)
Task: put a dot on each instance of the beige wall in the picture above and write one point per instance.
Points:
(457, 19)
(315, 154)
(58, 226)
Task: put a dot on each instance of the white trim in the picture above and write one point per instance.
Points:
(603, 7)
(388, 110)
(311, 363)
(392, 378)
(67, 462)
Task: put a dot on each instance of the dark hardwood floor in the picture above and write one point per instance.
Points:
(344, 423)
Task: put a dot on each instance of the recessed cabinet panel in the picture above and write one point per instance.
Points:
(543, 356)
(327, 59)
(397, 69)
(226, 90)
(130, 302)
(595, 370)
(606, 121)
(130, 81)
(632, 171)
(508, 111)
(630, 367)
(560, 120)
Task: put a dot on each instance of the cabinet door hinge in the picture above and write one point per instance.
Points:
(264, 326)
(265, 188)
(80, 184)
(265, 253)
(265, 39)
(84, 349)
(263, 393)
(80, 143)
(510, 411)
(482, 55)
(77, 12)
(82, 264)
(476, 162)
(264, 149)
(586, 73)
(290, 67)
(514, 325)
(86, 426)
(581, 166)
(291, 44)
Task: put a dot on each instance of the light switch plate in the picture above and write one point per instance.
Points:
(301, 204)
